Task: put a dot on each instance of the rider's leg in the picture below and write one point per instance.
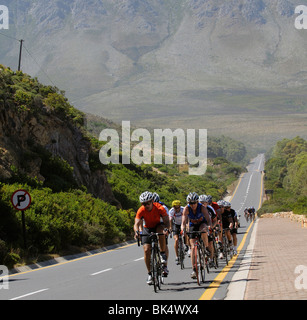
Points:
(147, 252)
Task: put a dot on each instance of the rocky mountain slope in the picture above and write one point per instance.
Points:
(178, 59)
(42, 140)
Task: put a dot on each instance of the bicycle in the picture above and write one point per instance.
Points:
(225, 244)
(215, 241)
(200, 257)
(227, 249)
(181, 252)
(155, 260)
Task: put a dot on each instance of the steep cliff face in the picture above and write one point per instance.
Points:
(33, 132)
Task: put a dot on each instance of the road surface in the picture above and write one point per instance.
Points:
(120, 274)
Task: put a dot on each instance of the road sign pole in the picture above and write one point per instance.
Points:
(24, 229)
(21, 201)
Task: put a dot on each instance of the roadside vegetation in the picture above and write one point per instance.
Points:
(286, 175)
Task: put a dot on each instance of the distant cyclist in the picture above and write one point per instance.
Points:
(199, 219)
(175, 218)
(246, 214)
(233, 226)
(225, 225)
(253, 210)
(151, 213)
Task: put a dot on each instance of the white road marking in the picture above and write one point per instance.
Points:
(247, 192)
(102, 271)
(29, 294)
(139, 259)
(237, 286)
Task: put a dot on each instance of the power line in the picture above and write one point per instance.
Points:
(5, 35)
(40, 68)
(29, 53)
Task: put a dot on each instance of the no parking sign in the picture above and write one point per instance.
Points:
(21, 200)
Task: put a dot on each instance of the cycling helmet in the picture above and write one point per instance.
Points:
(203, 198)
(156, 197)
(192, 197)
(209, 199)
(221, 203)
(176, 203)
(146, 196)
(227, 204)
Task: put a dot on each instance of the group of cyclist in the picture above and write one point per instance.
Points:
(249, 213)
(200, 214)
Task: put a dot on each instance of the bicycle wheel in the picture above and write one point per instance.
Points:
(196, 266)
(201, 265)
(160, 278)
(155, 269)
(181, 253)
(230, 251)
(215, 255)
(225, 248)
(207, 263)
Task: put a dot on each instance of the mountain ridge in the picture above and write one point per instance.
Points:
(141, 60)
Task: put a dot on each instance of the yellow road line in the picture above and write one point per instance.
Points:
(210, 291)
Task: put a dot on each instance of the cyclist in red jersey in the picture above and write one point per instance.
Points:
(151, 213)
(214, 205)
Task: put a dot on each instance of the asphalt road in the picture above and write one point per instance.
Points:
(120, 274)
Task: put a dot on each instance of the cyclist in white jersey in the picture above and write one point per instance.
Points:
(175, 218)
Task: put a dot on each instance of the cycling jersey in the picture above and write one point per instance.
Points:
(151, 218)
(212, 212)
(197, 215)
(233, 214)
(177, 216)
(164, 206)
(226, 217)
(215, 206)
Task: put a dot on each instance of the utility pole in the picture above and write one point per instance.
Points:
(21, 41)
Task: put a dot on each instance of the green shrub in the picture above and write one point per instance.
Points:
(286, 173)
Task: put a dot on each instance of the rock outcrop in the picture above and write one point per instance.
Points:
(28, 133)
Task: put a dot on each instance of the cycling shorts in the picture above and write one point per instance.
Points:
(225, 224)
(148, 231)
(176, 229)
(196, 227)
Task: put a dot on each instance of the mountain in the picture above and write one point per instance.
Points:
(178, 63)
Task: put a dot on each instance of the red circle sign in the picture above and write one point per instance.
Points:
(21, 200)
